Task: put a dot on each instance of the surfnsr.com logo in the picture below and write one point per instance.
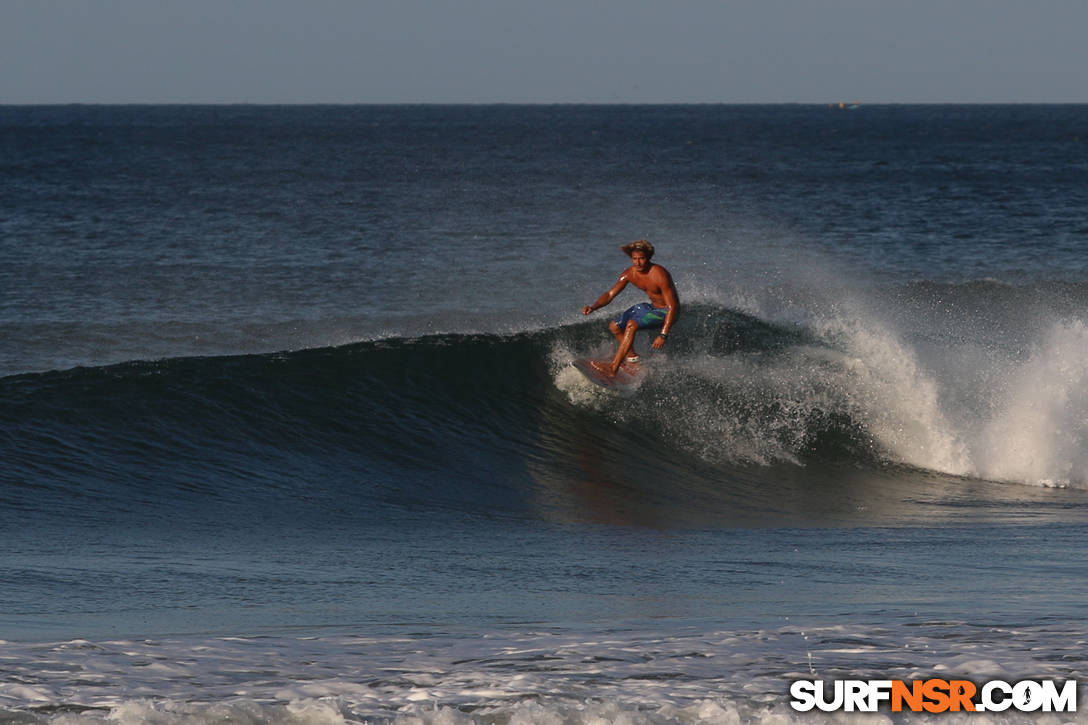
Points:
(934, 696)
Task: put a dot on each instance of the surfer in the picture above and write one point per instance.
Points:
(660, 311)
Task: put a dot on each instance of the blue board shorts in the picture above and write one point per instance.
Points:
(645, 315)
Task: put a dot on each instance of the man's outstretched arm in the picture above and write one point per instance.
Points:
(607, 296)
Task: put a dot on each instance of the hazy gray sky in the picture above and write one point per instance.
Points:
(544, 51)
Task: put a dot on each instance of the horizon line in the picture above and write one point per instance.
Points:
(837, 105)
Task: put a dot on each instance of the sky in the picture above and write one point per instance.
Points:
(544, 51)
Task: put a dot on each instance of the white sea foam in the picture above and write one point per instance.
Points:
(1039, 432)
(629, 678)
(1029, 425)
(896, 397)
(578, 389)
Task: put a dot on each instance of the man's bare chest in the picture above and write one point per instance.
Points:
(647, 283)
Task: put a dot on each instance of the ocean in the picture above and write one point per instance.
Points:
(289, 434)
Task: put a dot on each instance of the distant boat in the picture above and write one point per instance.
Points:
(846, 106)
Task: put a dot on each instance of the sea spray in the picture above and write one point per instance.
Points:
(1039, 432)
(845, 387)
(897, 400)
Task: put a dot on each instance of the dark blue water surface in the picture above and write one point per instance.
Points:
(288, 427)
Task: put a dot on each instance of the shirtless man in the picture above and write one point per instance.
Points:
(664, 304)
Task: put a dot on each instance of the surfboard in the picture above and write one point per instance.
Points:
(629, 374)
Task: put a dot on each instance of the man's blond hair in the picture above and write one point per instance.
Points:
(639, 245)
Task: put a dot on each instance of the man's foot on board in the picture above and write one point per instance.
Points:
(603, 367)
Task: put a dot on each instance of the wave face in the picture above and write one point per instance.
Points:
(743, 418)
